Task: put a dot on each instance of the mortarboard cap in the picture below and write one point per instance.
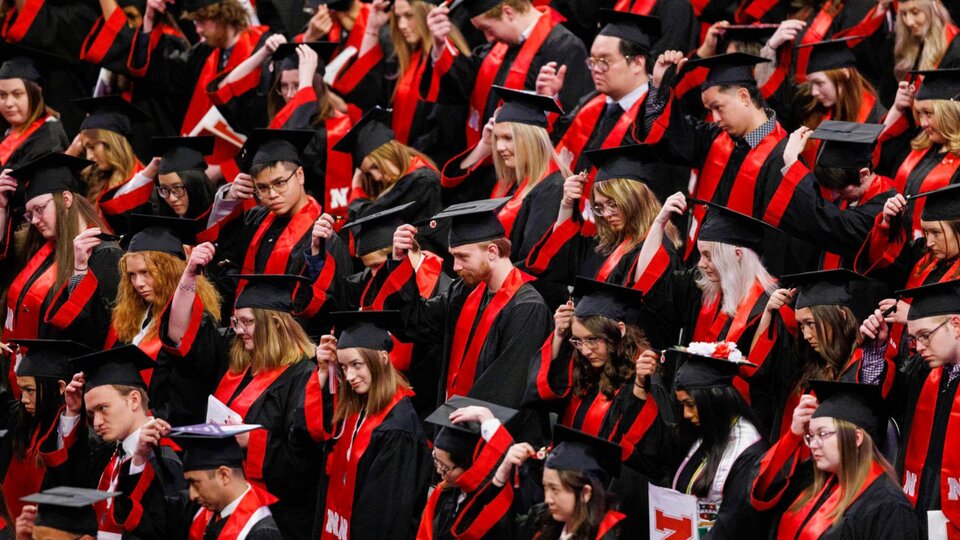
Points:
(474, 221)
(836, 287)
(21, 62)
(577, 451)
(286, 53)
(859, 404)
(183, 153)
(112, 113)
(733, 69)
(375, 232)
(462, 438)
(160, 233)
(727, 226)
(700, 371)
(365, 329)
(211, 448)
(939, 84)
(942, 204)
(336, 5)
(51, 173)
(269, 291)
(832, 54)
(49, 358)
(638, 29)
(749, 33)
(120, 365)
(68, 509)
(846, 145)
(629, 162)
(189, 6)
(272, 145)
(475, 8)
(621, 304)
(941, 298)
(370, 133)
(523, 107)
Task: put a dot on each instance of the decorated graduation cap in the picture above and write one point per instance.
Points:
(272, 145)
(941, 298)
(160, 233)
(859, 404)
(51, 173)
(942, 204)
(287, 58)
(832, 54)
(375, 232)
(638, 29)
(370, 133)
(630, 162)
(837, 287)
(112, 113)
(207, 447)
(68, 509)
(727, 226)
(269, 291)
(846, 145)
(49, 358)
(120, 365)
(524, 107)
(939, 84)
(733, 69)
(365, 329)
(183, 153)
(749, 33)
(474, 221)
(709, 365)
(614, 302)
(577, 451)
(462, 438)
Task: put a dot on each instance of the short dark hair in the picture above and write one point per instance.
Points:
(288, 166)
(503, 246)
(634, 50)
(838, 177)
(755, 96)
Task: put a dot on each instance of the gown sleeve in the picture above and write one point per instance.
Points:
(84, 313)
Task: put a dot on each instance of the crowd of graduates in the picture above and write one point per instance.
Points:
(479, 269)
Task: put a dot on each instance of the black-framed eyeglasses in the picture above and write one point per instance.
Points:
(442, 468)
(923, 339)
(177, 191)
(280, 186)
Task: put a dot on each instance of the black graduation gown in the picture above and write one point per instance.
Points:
(537, 215)
(881, 511)
(916, 177)
(265, 529)
(49, 137)
(681, 33)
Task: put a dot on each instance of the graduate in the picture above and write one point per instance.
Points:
(230, 507)
(377, 456)
(508, 316)
(59, 511)
(682, 32)
(924, 21)
(182, 188)
(31, 127)
(270, 368)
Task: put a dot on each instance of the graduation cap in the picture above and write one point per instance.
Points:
(832, 54)
(120, 365)
(629, 162)
(183, 153)
(847, 145)
(700, 371)
(614, 302)
(859, 404)
(286, 53)
(112, 113)
(524, 107)
(68, 509)
(577, 451)
(365, 329)
(189, 6)
(733, 69)
(475, 8)
(370, 133)
(727, 226)
(942, 204)
(939, 84)
(21, 62)
(49, 358)
(375, 232)
(462, 438)
(638, 29)
(749, 33)
(269, 291)
(211, 449)
(51, 173)
(837, 287)
(941, 298)
(272, 145)
(474, 221)
(336, 5)
(160, 233)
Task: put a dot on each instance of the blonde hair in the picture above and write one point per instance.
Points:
(279, 341)
(907, 47)
(165, 269)
(736, 276)
(385, 380)
(403, 50)
(638, 205)
(948, 124)
(393, 158)
(533, 153)
(120, 159)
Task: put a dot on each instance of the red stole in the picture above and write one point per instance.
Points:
(508, 214)
(938, 177)
(25, 476)
(463, 359)
(150, 346)
(711, 320)
(516, 78)
(612, 260)
(339, 166)
(815, 32)
(593, 420)
(641, 7)
(104, 509)
(13, 141)
(867, 102)
(820, 521)
(300, 224)
(251, 510)
(407, 96)
(919, 441)
(26, 314)
(251, 393)
(342, 469)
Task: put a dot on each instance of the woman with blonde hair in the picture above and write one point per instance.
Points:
(925, 38)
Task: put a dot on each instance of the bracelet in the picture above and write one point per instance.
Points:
(188, 288)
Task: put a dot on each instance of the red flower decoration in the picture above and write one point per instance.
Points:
(722, 350)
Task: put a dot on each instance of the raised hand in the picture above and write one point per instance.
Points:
(550, 79)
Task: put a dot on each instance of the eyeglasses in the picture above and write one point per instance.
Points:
(609, 207)
(812, 440)
(442, 469)
(241, 325)
(36, 211)
(177, 191)
(590, 343)
(280, 186)
(923, 339)
(601, 65)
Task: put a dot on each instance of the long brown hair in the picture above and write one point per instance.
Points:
(639, 207)
(393, 158)
(838, 334)
(585, 521)
(165, 269)
(121, 160)
(851, 87)
(279, 340)
(385, 380)
(621, 352)
(404, 51)
(275, 101)
(68, 227)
